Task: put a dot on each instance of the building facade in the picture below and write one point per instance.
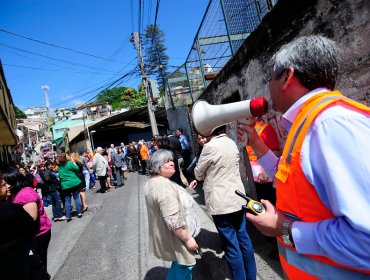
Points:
(8, 139)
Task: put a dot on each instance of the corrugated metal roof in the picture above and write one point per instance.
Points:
(135, 115)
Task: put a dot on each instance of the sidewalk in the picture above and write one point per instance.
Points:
(211, 247)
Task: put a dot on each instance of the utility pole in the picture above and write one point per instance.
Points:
(88, 145)
(135, 38)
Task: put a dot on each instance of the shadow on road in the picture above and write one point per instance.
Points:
(156, 273)
(261, 245)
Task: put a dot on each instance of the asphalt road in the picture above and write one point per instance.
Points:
(110, 241)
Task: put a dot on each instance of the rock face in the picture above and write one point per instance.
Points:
(345, 21)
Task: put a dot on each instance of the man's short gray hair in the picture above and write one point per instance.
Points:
(314, 59)
(99, 149)
(159, 158)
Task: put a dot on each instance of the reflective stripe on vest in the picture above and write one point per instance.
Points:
(304, 265)
(295, 195)
(260, 127)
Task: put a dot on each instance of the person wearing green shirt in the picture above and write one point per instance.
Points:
(70, 183)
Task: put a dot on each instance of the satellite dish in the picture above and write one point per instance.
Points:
(19, 133)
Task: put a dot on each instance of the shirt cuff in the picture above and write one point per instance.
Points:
(304, 238)
(269, 163)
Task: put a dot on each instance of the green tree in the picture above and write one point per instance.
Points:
(19, 114)
(122, 97)
(131, 98)
(156, 60)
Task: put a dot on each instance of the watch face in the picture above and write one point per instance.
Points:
(286, 240)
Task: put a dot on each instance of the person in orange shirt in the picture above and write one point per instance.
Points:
(144, 156)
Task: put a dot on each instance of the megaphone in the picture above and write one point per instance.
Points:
(207, 118)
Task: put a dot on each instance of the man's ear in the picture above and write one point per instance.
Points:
(289, 74)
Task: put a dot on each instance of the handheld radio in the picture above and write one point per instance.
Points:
(254, 207)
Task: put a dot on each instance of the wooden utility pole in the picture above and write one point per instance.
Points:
(135, 38)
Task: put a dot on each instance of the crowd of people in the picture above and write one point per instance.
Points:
(27, 189)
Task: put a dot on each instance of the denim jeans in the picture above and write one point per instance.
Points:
(75, 192)
(239, 254)
(180, 272)
(55, 203)
(46, 200)
(92, 179)
(87, 179)
(118, 176)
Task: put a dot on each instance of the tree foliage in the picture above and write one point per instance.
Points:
(156, 60)
(122, 97)
(19, 114)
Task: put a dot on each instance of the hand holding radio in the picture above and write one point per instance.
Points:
(254, 207)
(270, 223)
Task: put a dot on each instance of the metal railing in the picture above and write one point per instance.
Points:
(224, 27)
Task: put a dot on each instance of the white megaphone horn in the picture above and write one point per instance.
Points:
(207, 118)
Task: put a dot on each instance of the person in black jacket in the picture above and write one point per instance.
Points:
(17, 232)
(41, 184)
(30, 180)
(51, 185)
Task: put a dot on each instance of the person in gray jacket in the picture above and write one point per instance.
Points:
(100, 165)
(117, 163)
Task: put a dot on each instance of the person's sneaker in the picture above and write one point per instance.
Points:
(79, 215)
(55, 219)
(62, 218)
(69, 219)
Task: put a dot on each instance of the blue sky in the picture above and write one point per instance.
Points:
(95, 27)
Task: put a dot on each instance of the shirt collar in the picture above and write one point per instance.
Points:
(293, 111)
(218, 136)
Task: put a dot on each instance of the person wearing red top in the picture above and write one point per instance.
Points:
(263, 183)
(268, 135)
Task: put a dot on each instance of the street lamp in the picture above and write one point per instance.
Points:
(91, 139)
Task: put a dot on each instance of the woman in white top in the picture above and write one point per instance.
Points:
(170, 239)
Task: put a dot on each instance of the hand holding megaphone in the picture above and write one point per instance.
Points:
(207, 118)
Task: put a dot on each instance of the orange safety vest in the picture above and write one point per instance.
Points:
(298, 199)
(260, 127)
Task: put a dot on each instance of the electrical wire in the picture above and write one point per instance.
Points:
(52, 58)
(139, 17)
(100, 89)
(56, 46)
(45, 69)
(132, 15)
